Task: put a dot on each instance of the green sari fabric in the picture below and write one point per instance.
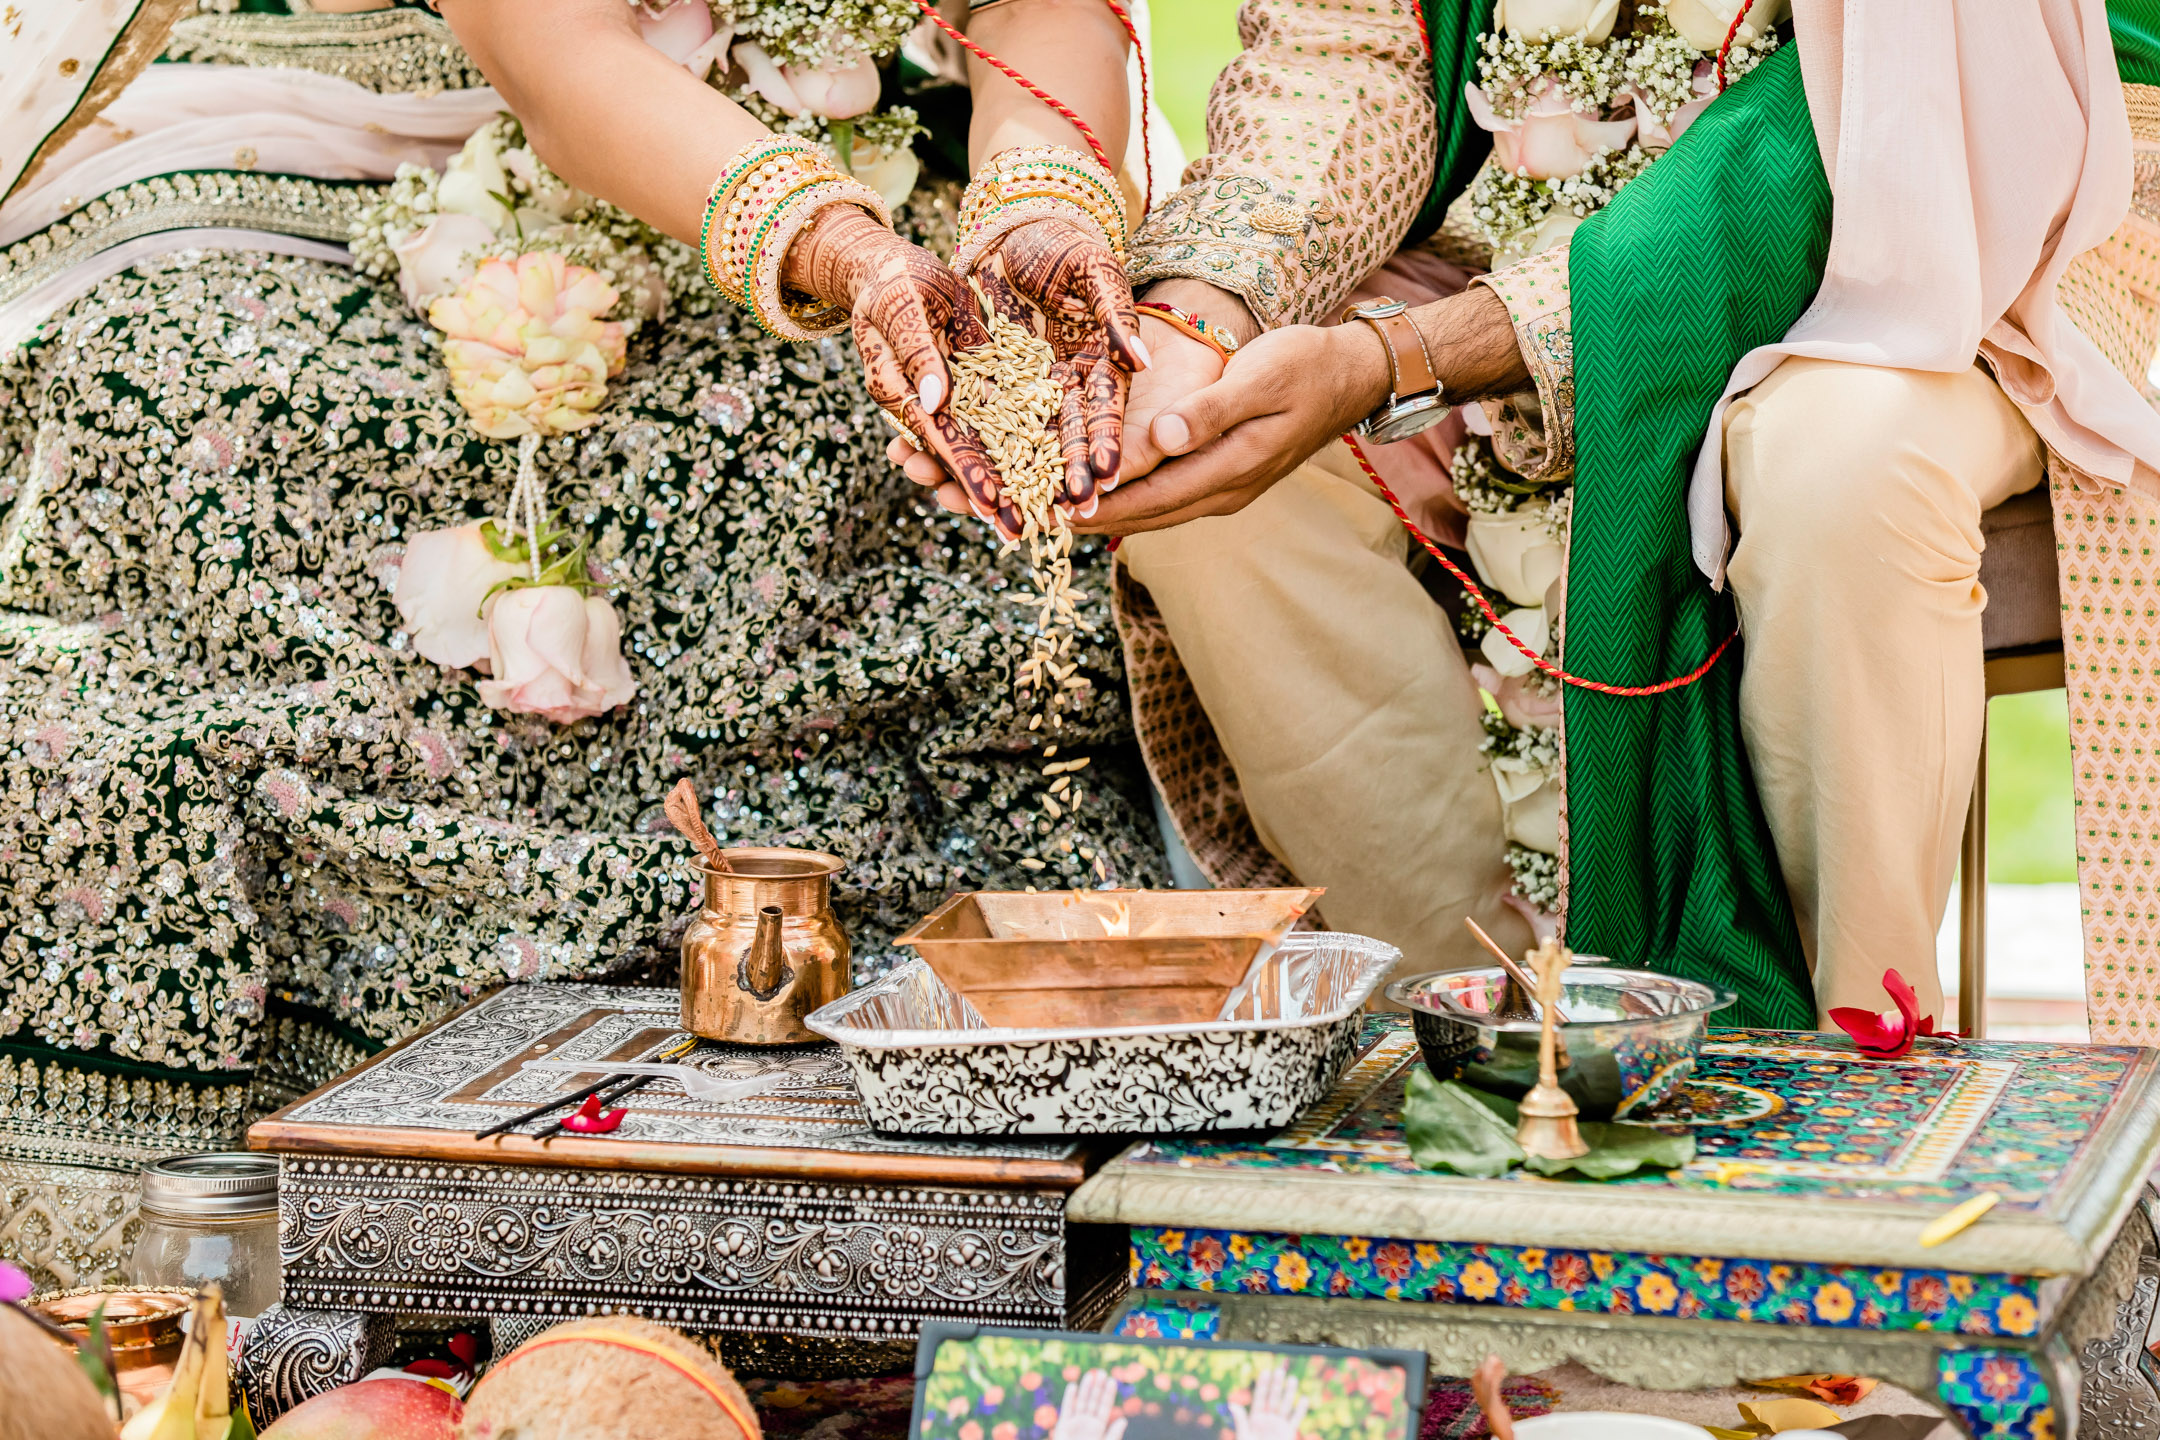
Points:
(1670, 862)
(1452, 31)
(2135, 25)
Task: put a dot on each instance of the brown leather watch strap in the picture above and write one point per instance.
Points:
(1410, 367)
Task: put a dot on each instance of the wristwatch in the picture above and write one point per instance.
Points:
(1415, 401)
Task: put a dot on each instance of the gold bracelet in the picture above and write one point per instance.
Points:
(1032, 183)
(804, 318)
(763, 159)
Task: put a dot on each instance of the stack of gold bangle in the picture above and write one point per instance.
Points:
(1037, 182)
(769, 191)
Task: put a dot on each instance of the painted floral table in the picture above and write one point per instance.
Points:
(778, 1219)
(1791, 1244)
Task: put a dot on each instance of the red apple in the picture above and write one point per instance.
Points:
(385, 1409)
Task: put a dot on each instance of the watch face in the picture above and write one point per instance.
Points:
(1408, 417)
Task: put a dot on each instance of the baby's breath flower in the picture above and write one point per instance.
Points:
(1537, 745)
(1537, 877)
(1589, 71)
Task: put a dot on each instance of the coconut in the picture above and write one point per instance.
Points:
(44, 1395)
(604, 1378)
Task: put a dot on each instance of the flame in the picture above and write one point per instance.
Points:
(1119, 922)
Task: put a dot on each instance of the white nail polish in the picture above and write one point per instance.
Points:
(1140, 351)
(932, 392)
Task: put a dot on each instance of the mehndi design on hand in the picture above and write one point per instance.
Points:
(909, 311)
(1059, 278)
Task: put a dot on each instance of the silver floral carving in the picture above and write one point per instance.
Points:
(701, 1252)
(292, 1354)
(432, 1084)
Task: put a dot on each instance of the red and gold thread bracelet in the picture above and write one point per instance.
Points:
(1225, 343)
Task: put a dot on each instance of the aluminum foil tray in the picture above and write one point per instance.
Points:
(926, 1064)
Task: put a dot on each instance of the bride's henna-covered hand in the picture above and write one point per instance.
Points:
(908, 312)
(1062, 282)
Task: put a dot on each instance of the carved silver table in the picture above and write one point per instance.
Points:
(1792, 1244)
(777, 1215)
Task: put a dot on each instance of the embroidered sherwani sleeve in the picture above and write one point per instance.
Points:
(1320, 151)
(1534, 432)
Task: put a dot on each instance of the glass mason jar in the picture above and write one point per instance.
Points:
(211, 1217)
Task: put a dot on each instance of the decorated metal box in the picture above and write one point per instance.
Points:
(780, 1213)
(925, 1063)
(1791, 1244)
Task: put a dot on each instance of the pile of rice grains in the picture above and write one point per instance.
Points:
(1006, 394)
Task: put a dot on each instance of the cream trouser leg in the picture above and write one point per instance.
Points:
(1858, 494)
(1341, 697)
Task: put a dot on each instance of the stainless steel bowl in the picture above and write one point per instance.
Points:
(1631, 1036)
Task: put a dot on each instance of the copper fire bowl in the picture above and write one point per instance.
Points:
(142, 1324)
(1069, 958)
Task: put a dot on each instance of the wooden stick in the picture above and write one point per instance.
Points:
(1521, 976)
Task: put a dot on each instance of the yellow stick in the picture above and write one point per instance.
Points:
(1959, 1220)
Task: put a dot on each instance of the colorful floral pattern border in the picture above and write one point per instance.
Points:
(1998, 1394)
(1598, 1281)
(2013, 1117)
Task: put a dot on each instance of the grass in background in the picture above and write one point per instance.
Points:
(1192, 41)
(2029, 813)
(2031, 837)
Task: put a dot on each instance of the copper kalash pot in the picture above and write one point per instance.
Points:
(765, 950)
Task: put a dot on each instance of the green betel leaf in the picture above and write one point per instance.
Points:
(1621, 1150)
(1450, 1129)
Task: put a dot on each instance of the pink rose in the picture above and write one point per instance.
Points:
(435, 260)
(445, 576)
(677, 30)
(836, 92)
(766, 77)
(1522, 704)
(555, 653)
(1553, 140)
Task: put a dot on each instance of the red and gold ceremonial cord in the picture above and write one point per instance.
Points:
(1072, 117)
(1477, 594)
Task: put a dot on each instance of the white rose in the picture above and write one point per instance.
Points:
(473, 180)
(1529, 627)
(1557, 228)
(433, 260)
(1535, 20)
(836, 92)
(445, 575)
(1704, 23)
(550, 192)
(892, 175)
(1529, 804)
(1553, 140)
(1515, 554)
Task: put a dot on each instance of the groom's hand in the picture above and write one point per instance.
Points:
(1279, 400)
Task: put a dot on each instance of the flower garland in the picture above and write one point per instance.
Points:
(1575, 113)
(536, 288)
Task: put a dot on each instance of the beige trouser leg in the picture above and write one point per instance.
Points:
(1341, 697)
(1858, 494)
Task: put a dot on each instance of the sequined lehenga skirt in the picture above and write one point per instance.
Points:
(247, 835)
